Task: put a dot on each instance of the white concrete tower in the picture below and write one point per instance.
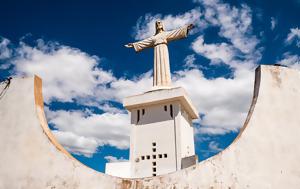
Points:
(162, 137)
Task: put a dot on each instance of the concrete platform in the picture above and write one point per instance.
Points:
(266, 153)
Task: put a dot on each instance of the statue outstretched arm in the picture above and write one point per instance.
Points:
(129, 45)
(141, 45)
(179, 33)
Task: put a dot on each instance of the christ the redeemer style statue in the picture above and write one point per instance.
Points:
(161, 71)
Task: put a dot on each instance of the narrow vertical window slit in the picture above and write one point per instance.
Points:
(165, 107)
(138, 116)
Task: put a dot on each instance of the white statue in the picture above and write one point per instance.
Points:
(162, 74)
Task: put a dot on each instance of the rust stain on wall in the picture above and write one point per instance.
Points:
(276, 76)
(126, 184)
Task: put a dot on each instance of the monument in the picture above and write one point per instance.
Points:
(161, 71)
(162, 137)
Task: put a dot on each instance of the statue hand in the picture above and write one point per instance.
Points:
(129, 45)
(190, 26)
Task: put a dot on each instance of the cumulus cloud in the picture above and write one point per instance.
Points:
(273, 23)
(5, 51)
(234, 23)
(76, 144)
(106, 129)
(145, 26)
(294, 35)
(290, 60)
(217, 53)
(214, 147)
(189, 61)
(241, 47)
(112, 159)
(68, 73)
(121, 88)
(223, 102)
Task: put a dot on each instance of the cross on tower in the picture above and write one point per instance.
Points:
(153, 157)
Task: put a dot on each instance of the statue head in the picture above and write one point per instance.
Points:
(159, 27)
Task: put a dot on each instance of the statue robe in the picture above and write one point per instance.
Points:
(161, 71)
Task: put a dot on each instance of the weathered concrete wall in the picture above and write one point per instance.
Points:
(30, 157)
(264, 155)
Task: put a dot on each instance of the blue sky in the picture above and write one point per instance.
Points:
(77, 48)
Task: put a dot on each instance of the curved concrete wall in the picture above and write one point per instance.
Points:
(264, 155)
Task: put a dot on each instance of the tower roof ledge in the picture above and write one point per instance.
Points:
(161, 96)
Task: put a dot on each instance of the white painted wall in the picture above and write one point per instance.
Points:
(186, 136)
(155, 126)
(118, 169)
(164, 125)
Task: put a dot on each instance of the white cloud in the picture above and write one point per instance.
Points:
(234, 23)
(112, 159)
(217, 53)
(224, 102)
(214, 146)
(212, 130)
(5, 66)
(75, 144)
(68, 73)
(107, 107)
(83, 132)
(189, 61)
(145, 26)
(273, 23)
(290, 60)
(121, 88)
(294, 35)
(107, 128)
(5, 51)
